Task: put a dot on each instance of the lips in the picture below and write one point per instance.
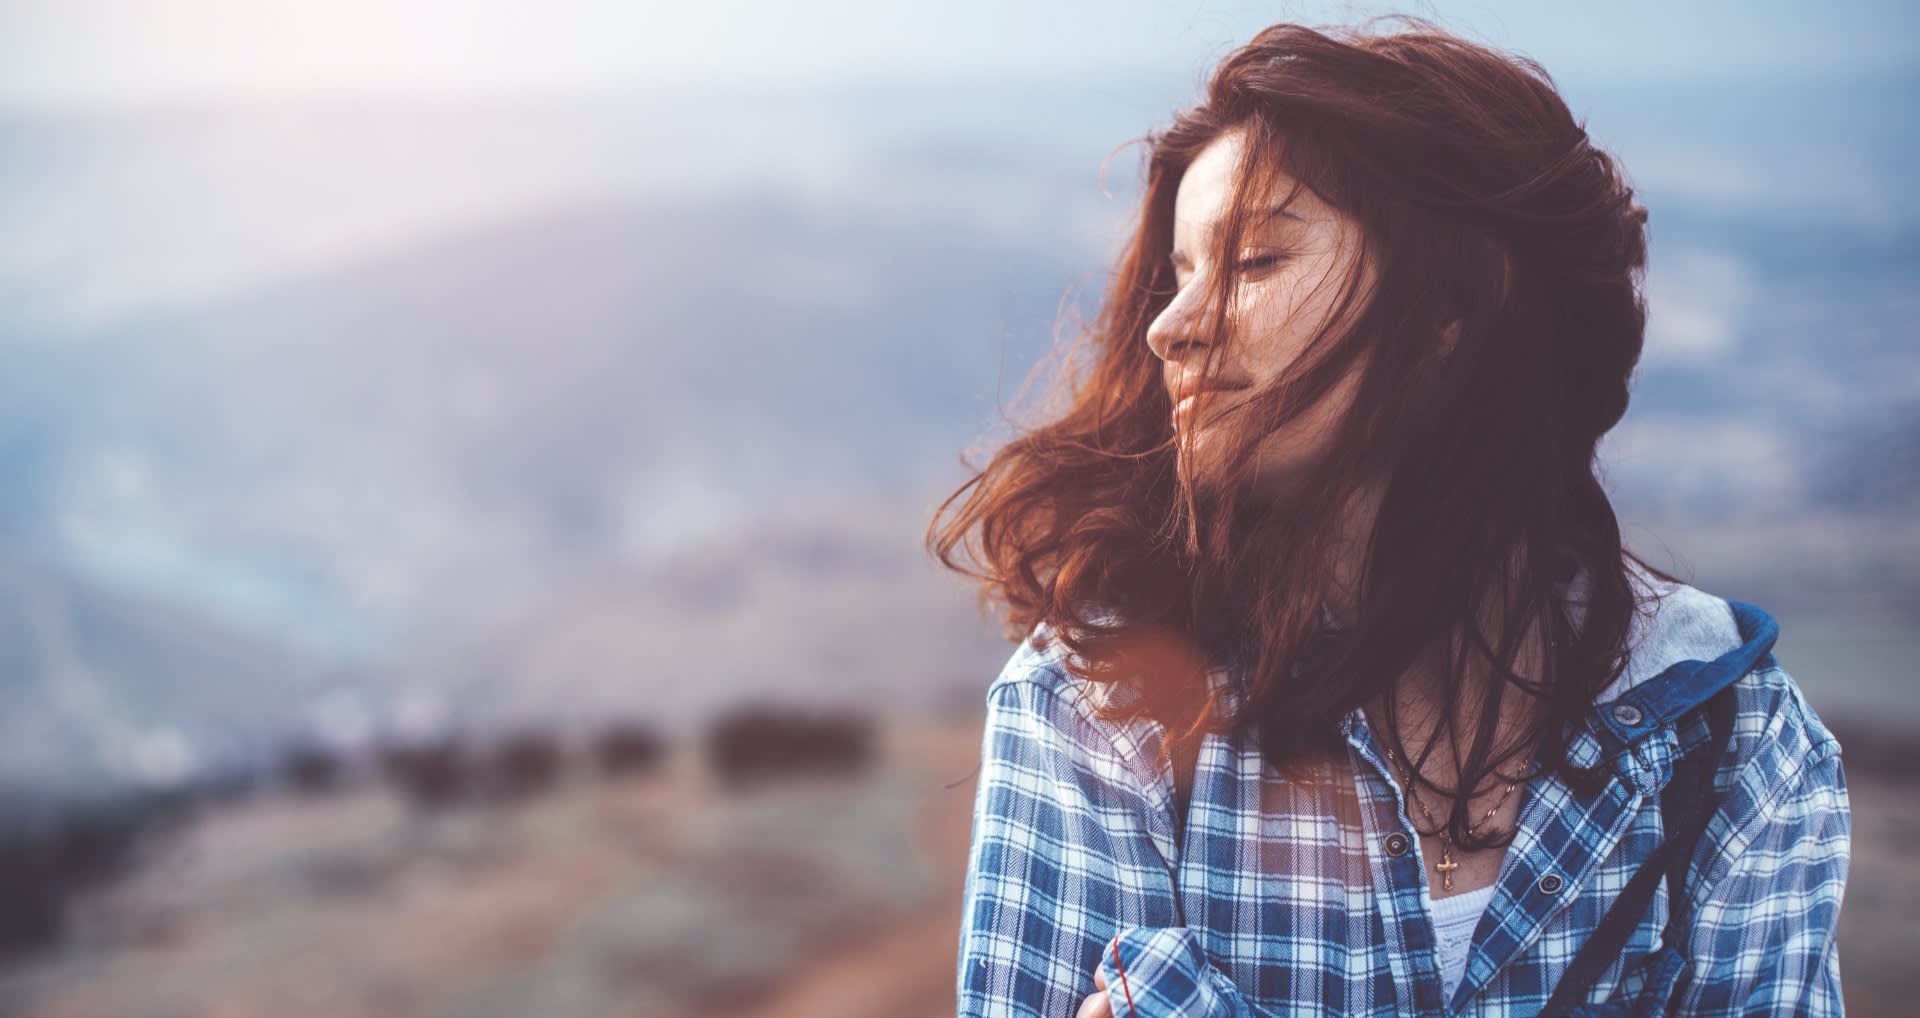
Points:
(1187, 390)
(1183, 407)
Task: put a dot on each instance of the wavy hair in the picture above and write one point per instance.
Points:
(1493, 351)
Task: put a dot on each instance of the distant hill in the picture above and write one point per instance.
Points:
(350, 414)
(101, 687)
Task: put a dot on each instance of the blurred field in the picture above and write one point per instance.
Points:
(1880, 918)
(657, 895)
(663, 895)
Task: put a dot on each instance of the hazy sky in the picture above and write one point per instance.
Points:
(416, 378)
(134, 51)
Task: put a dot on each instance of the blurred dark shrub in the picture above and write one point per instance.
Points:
(74, 846)
(628, 748)
(311, 770)
(524, 764)
(760, 742)
(96, 842)
(226, 787)
(430, 775)
(34, 890)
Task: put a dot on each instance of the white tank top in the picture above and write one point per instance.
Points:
(1454, 918)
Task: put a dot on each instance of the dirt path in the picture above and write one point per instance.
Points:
(908, 970)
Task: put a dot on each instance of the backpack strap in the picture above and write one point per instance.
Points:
(1687, 801)
(1686, 804)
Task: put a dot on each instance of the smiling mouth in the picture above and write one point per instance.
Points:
(1185, 410)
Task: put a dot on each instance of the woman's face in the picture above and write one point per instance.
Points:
(1290, 269)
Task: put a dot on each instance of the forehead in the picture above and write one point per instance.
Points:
(1206, 188)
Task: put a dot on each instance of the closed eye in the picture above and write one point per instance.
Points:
(1251, 263)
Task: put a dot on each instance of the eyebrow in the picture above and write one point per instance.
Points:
(1277, 211)
(1260, 218)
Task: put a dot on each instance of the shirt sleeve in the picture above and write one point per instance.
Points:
(1167, 974)
(1762, 941)
(1068, 846)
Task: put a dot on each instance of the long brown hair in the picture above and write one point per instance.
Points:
(1484, 206)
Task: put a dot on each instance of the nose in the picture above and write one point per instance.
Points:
(1175, 333)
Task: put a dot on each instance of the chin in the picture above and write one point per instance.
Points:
(1273, 476)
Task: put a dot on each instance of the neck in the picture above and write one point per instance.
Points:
(1419, 697)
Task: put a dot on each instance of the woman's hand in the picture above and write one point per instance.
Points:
(1097, 1004)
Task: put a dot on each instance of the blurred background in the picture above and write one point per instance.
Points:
(463, 465)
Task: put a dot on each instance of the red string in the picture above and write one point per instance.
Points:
(1122, 973)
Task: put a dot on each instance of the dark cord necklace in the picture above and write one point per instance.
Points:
(1446, 865)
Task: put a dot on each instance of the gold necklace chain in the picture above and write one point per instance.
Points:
(1446, 865)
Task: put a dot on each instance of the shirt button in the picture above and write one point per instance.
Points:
(1627, 714)
(1397, 844)
(1550, 883)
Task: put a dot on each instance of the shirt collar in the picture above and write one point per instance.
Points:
(1674, 622)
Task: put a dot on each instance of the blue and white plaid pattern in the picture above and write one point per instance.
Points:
(1285, 900)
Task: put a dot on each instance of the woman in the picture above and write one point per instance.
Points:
(1339, 691)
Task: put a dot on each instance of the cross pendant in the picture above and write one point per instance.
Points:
(1446, 866)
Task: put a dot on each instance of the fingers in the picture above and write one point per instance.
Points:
(1097, 1005)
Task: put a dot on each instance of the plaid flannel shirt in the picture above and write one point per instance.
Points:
(1289, 898)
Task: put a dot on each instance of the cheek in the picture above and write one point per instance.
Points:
(1267, 330)
(1312, 433)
